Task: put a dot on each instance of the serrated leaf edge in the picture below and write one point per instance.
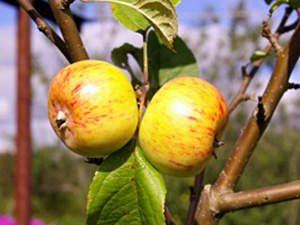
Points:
(167, 39)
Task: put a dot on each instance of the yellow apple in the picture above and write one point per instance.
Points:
(179, 127)
(92, 108)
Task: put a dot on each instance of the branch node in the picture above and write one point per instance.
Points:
(65, 4)
(41, 26)
(249, 97)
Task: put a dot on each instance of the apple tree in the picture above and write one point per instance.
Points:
(127, 188)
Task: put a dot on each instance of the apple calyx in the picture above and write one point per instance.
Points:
(217, 143)
(61, 120)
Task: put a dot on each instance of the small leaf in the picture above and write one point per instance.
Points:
(175, 2)
(126, 189)
(268, 2)
(165, 65)
(161, 14)
(257, 55)
(295, 4)
(277, 4)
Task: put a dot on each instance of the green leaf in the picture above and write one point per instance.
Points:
(277, 4)
(120, 58)
(295, 4)
(126, 190)
(175, 2)
(257, 55)
(130, 17)
(161, 14)
(268, 2)
(165, 65)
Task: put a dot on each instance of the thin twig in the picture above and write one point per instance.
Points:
(169, 218)
(194, 197)
(293, 86)
(266, 32)
(247, 77)
(145, 59)
(64, 19)
(142, 92)
(44, 27)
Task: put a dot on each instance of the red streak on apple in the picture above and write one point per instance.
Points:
(188, 167)
(76, 89)
(205, 111)
(192, 118)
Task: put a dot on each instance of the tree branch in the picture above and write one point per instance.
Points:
(247, 78)
(266, 32)
(169, 218)
(64, 19)
(205, 214)
(244, 147)
(254, 130)
(239, 97)
(259, 197)
(45, 28)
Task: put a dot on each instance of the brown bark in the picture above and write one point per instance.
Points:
(44, 27)
(169, 218)
(205, 214)
(259, 197)
(65, 21)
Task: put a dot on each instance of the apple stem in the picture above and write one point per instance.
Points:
(61, 120)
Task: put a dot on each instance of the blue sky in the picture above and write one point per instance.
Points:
(187, 10)
(7, 14)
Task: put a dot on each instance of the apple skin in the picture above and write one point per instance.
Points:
(92, 108)
(180, 124)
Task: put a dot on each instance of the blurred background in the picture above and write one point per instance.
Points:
(222, 35)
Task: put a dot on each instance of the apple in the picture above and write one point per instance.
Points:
(179, 127)
(92, 108)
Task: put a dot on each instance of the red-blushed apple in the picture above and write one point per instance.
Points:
(92, 108)
(179, 127)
